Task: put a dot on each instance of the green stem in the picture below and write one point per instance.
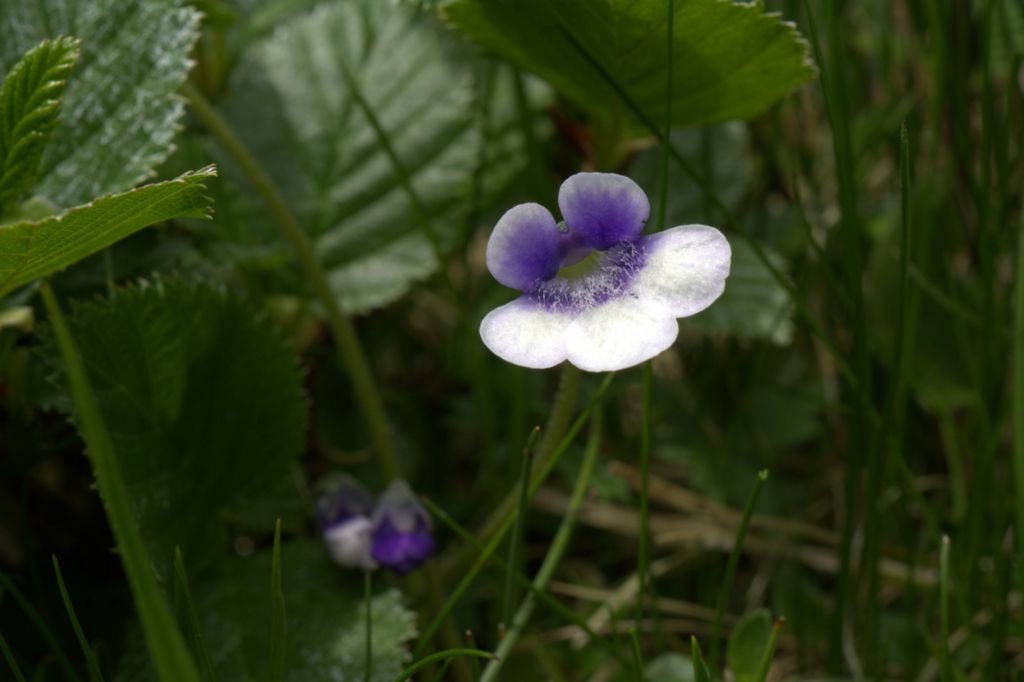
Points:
(198, 640)
(638, 656)
(1018, 402)
(368, 602)
(554, 556)
(730, 569)
(351, 354)
(643, 553)
(945, 667)
(550, 442)
(90, 657)
(278, 615)
(503, 525)
(440, 656)
(556, 606)
(666, 142)
(517, 529)
(171, 658)
(12, 662)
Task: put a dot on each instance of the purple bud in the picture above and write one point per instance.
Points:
(343, 508)
(402, 537)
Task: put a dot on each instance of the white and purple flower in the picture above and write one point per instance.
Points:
(595, 291)
(395, 532)
(402, 534)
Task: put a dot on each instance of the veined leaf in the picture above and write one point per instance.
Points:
(731, 59)
(30, 249)
(748, 643)
(29, 99)
(324, 155)
(204, 407)
(120, 109)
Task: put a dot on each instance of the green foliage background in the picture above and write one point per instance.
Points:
(868, 351)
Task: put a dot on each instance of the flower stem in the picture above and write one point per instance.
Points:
(643, 551)
(368, 602)
(555, 554)
(350, 351)
(558, 423)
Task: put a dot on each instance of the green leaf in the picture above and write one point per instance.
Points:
(204, 406)
(700, 668)
(29, 99)
(292, 110)
(324, 622)
(748, 643)
(120, 109)
(731, 59)
(33, 249)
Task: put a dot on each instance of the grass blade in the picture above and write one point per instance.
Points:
(555, 553)
(1018, 402)
(944, 664)
(40, 624)
(171, 658)
(182, 588)
(441, 656)
(730, 569)
(90, 656)
(515, 540)
(275, 672)
(12, 663)
(638, 656)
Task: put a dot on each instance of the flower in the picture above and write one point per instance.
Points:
(343, 511)
(595, 291)
(402, 537)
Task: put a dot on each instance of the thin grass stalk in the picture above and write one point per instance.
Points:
(12, 662)
(42, 628)
(516, 539)
(730, 570)
(278, 615)
(198, 640)
(556, 607)
(91, 664)
(555, 553)
(503, 525)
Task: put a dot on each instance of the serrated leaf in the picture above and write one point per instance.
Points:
(731, 60)
(204, 406)
(292, 108)
(748, 643)
(31, 249)
(29, 99)
(324, 622)
(120, 110)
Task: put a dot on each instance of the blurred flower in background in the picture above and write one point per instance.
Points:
(395, 533)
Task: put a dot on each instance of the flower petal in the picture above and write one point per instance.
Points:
(602, 209)
(523, 248)
(524, 333)
(349, 543)
(619, 334)
(685, 270)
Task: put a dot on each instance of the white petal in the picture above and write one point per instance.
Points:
(619, 334)
(349, 543)
(685, 270)
(523, 333)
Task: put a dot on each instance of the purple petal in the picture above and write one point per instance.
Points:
(402, 551)
(523, 249)
(603, 209)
